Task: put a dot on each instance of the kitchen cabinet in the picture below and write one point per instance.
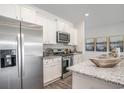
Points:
(77, 58)
(28, 14)
(18, 12)
(52, 69)
(49, 29)
(10, 11)
(60, 26)
(50, 26)
(81, 81)
(73, 34)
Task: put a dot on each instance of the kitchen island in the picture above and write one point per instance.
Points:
(87, 76)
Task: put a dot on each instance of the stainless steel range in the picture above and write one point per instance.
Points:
(67, 60)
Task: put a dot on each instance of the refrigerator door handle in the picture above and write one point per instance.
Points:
(22, 52)
(19, 55)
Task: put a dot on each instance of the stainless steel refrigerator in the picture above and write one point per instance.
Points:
(21, 62)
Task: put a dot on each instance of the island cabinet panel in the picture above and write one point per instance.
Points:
(81, 81)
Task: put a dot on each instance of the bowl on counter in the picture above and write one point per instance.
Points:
(106, 62)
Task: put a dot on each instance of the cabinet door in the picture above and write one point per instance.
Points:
(49, 29)
(60, 26)
(69, 30)
(57, 68)
(40, 20)
(28, 15)
(75, 59)
(47, 70)
(10, 11)
(78, 58)
(47, 74)
(52, 69)
(73, 36)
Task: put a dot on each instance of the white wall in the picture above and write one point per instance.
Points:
(109, 30)
(113, 29)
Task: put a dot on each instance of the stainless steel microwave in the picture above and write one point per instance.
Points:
(63, 37)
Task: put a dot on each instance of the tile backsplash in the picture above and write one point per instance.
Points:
(53, 46)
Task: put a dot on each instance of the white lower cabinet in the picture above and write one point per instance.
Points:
(52, 69)
(77, 58)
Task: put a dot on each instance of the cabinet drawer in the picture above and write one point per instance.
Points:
(47, 62)
(57, 60)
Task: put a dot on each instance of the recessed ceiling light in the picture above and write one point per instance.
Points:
(86, 14)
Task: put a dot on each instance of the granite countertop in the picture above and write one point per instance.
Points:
(52, 56)
(114, 75)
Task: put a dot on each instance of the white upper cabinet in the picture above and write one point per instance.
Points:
(10, 11)
(28, 14)
(73, 34)
(60, 26)
(49, 29)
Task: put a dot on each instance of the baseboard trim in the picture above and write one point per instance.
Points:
(47, 83)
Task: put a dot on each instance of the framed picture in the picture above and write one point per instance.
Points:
(101, 44)
(116, 42)
(90, 44)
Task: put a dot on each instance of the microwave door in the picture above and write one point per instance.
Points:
(63, 37)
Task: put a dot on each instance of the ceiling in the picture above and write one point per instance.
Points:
(99, 14)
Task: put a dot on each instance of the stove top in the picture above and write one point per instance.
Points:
(63, 54)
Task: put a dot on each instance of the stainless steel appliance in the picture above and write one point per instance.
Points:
(63, 37)
(66, 62)
(20, 55)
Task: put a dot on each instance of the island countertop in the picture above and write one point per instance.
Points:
(114, 75)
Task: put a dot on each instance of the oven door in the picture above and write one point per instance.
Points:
(67, 61)
(65, 65)
(63, 37)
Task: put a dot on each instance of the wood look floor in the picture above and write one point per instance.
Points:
(61, 84)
